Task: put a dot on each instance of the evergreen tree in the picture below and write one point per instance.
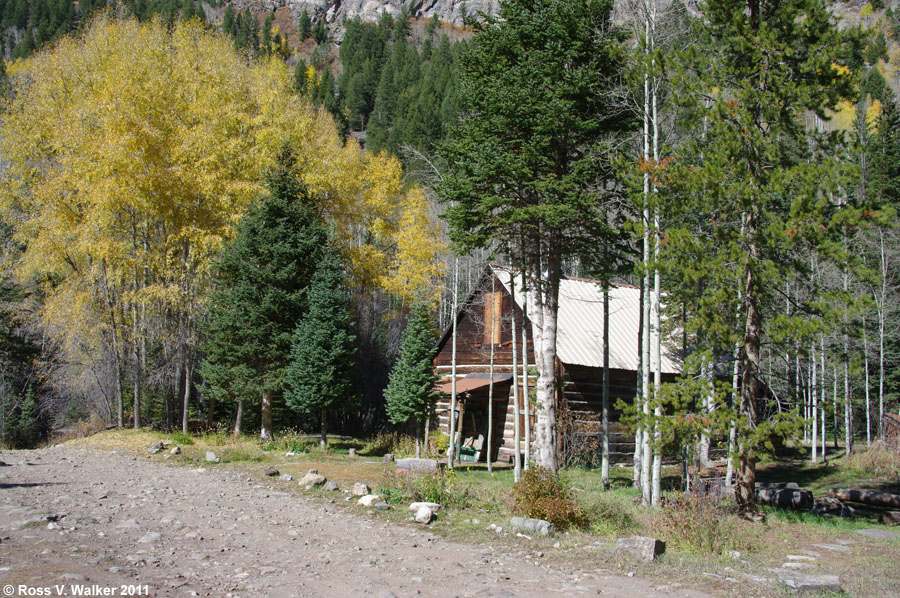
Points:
(305, 25)
(263, 276)
(530, 162)
(410, 394)
(320, 33)
(320, 374)
(751, 194)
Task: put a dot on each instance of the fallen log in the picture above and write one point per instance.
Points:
(866, 497)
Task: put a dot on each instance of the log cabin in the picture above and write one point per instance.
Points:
(484, 327)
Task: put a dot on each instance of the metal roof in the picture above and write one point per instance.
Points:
(580, 325)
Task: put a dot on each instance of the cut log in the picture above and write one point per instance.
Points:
(881, 499)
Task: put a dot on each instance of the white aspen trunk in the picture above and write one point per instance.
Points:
(834, 394)
(517, 431)
(646, 487)
(490, 430)
(604, 423)
(814, 401)
(639, 396)
(881, 307)
(238, 418)
(265, 428)
(822, 393)
(526, 398)
(732, 430)
(545, 295)
(451, 447)
(186, 398)
(866, 365)
(657, 329)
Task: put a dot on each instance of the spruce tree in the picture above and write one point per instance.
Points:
(410, 394)
(755, 191)
(305, 25)
(263, 275)
(320, 375)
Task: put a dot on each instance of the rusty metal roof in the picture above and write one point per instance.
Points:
(580, 325)
(472, 382)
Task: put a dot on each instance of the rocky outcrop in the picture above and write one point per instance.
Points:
(335, 11)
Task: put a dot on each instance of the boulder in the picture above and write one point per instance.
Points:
(271, 471)
(389, 458)
(424, 515)
(890, 518)
(431, 505)
(175, 450)
(312, 479)
(211, 457)
(330, 486)
(417, 465)
(787, 497)
(833, 507)
(369, 500)
(641, 547)
(808, 582)
(155, 448)
(531, 526)
(359, 489)
(382, 506)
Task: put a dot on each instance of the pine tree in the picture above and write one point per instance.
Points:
(263, 274)
(305, 25)
(530, 161)
(320, 375)
(320, 33)
(753, 192)
(410, 394)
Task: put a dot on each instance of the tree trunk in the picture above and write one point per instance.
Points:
(185, 405)
(265, 430)
(526, 398)
(546, 385)
(639, 395)
(866, 364)
(490, 429)
(418, 440)
(238, 418)
(815, 403)
(517, 431)
(604, 423)
(323, 428)
(745, 497)
(451, 446)
(881, 308)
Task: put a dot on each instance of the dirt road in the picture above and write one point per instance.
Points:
(121, 524)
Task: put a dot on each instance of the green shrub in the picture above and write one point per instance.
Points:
(182, 439)
(610, 512)
(291, 443)
(541, 494)
(699, 524)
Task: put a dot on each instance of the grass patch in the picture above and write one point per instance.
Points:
(182, 439)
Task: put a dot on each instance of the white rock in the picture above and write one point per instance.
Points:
(359, 489)
(435, 507)
(369, 499)
(211, 457)
(424, 514)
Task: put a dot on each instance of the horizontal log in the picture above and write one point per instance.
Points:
(881, 499)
